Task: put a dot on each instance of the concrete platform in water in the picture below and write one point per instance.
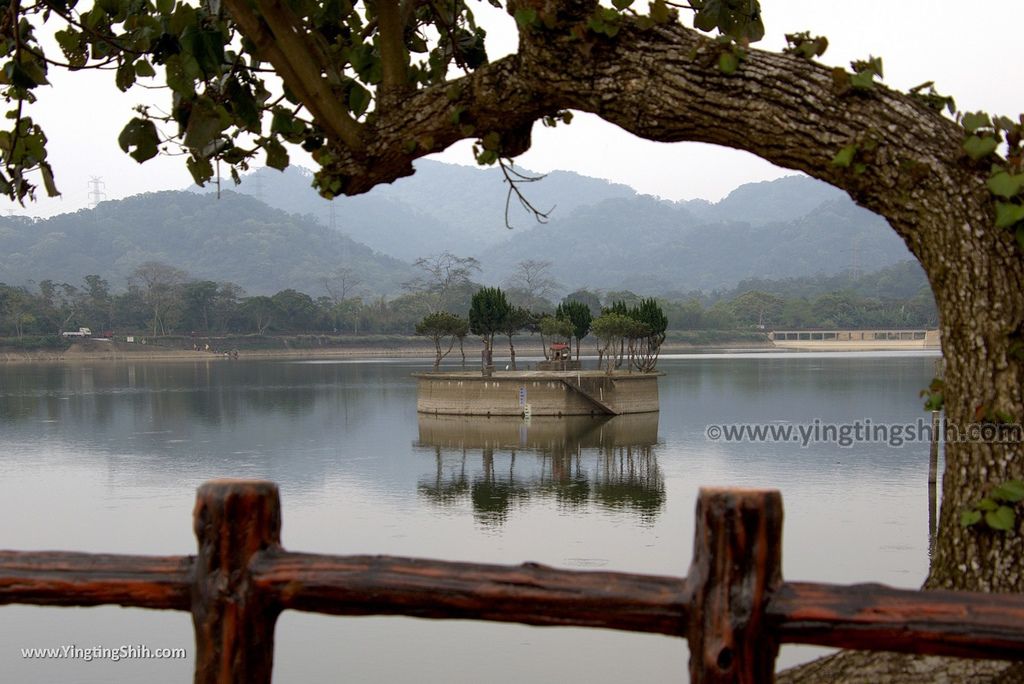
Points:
(539, 393)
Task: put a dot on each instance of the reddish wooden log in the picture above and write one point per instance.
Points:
(531, 594)
(879, 618)
(234, 520)
(737, 564)
(61, 578)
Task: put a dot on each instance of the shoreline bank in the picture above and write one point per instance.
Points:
(117, 353)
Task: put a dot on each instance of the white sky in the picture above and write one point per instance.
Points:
(971, 51)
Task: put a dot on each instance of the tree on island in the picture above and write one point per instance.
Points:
(610, 329)
(518, 318)
(578, 314)
(488, 314)
(360, 97)
(552, 327)
(631, 334)
(649, 334)
(441, 325)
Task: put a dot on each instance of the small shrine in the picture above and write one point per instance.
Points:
(559, 358)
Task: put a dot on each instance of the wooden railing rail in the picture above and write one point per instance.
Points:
(733, 606)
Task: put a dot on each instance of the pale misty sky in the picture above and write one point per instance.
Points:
(920, 40)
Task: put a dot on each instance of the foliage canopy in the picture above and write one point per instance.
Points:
(247, 78)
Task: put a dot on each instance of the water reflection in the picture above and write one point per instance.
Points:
(499, 464)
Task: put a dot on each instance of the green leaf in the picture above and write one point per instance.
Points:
(358, 99)
(243, 104)
(844, 157)
(1002, 518)
(1011, 492)
(1008, 214)
(1004, 185)
(142, 135)
(987, 504)
(205, 123)
(863, 80)
(486, 157)
(201, 169)
(979, 148)
(708, 16)
(47, 172)
(71, 45)
(284, 122)
(164, 6)
(206, 46)
(968, 518)
(277, 155)
(491, 141)
(125, 76)
(144, 69)
(935, 402)
(621, 4)
(728, 63)
(526, 17)
(973, 121)
(659, 11)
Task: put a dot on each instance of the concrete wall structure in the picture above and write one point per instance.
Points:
(852, 340)
(546, 393)
(540, 433)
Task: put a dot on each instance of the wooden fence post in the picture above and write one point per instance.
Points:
(234, 625)
(737, 563)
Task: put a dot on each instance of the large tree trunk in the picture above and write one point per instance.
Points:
(979, 285)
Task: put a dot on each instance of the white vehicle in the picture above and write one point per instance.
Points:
(81, 332)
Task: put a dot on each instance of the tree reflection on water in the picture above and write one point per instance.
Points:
(499, 464)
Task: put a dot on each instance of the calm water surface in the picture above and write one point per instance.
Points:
(98, 457)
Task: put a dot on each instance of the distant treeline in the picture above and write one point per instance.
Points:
(163, 300)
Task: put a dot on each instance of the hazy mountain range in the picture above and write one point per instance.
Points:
(234, 239)
(600, 234)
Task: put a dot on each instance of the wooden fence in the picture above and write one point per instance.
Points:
(733, 606)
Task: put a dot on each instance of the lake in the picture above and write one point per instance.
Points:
(104, 457)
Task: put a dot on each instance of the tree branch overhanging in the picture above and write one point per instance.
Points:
(280, 43)
(394, 56)
(663, 84)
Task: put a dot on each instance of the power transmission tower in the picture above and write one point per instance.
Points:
(96, 195)
(855, 271)
(333, 213)
(256, 179)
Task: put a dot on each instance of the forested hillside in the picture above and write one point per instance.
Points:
(234, 239)
(441, 207)
(601, 236)
(652, 246)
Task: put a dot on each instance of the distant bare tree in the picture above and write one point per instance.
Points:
(441, 275)
(533, 278)
(341, 285)
(161, 287)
